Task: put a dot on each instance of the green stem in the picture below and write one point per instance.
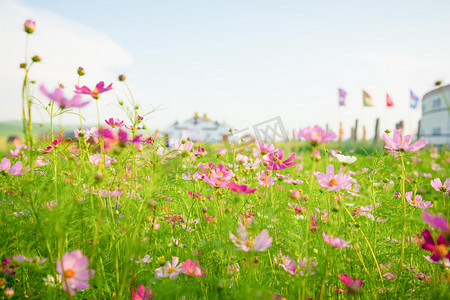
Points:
(403, 192)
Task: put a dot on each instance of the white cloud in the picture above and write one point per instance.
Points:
(63, 45)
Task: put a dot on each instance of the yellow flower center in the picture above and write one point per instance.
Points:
(95, 91)
(170, 270)
(415, 202)
(442, 249)
(279, 161)
(190, 271)
(443, 189)
(318, 135)
(249, 243)
(175, 217)
(333, 182)
(69, 273)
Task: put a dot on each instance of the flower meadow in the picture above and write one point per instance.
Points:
(116, 212)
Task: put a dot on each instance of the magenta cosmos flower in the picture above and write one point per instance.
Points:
(16, 169)
(402, 144)
(53, 145)
(438, 186)
(334, 182)
(334, 241)
(29, 26)
(115, 123)
(170, 270)
(7, 266)
(95, 93)
(191, 268)
(437, 221)
(316, 135)
(260, 243)
(440, 249)
(353, 284)
(58, 97)
(74, 270)
(142, 293)
(417, 202)
(241, 189)
(275, 160)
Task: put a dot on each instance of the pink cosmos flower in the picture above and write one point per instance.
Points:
(170, 270)
(402, 144)
(440, 249)
(265, 148)
(216, 176)
(58, 97)
(334, 182)
(29, 26)
(275, 160)
(418, 202)
(438, 186)
(115, 123)
(53, 144)
(142, 293)
(313, 224)
(73, 267)
(22, 258)
(437, 221)
(93, 132)
(97, 158)
(316, 135)
(265, 178)
(5, 165)
(95, 93)
(353, 285)
(192, 268)
(183, 146)
(221, 152)
(241, 189)
(261, 242)
(174, 218)
(289, 265)
(335, 241)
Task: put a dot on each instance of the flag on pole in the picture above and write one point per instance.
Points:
(414, 100)
(367, 99)
(389, 102)
(342, 97)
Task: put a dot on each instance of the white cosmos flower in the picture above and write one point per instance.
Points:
(346, 159)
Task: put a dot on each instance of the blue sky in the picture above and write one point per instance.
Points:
(247, 61)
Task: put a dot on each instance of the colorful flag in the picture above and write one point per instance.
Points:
(342, 97)
(367, 99)
(414, 100)
(389, 102)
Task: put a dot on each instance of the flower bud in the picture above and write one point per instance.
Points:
(161, 260)
(152, 203)
(295, 194)
(23, 65)
(29, 26)
(36, 58)
(122, 77)
(98, 177)
(81, 71)
(204, 209)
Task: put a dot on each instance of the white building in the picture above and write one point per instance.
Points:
(435, 122)
(198, 129)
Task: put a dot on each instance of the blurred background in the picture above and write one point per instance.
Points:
(239, 62)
